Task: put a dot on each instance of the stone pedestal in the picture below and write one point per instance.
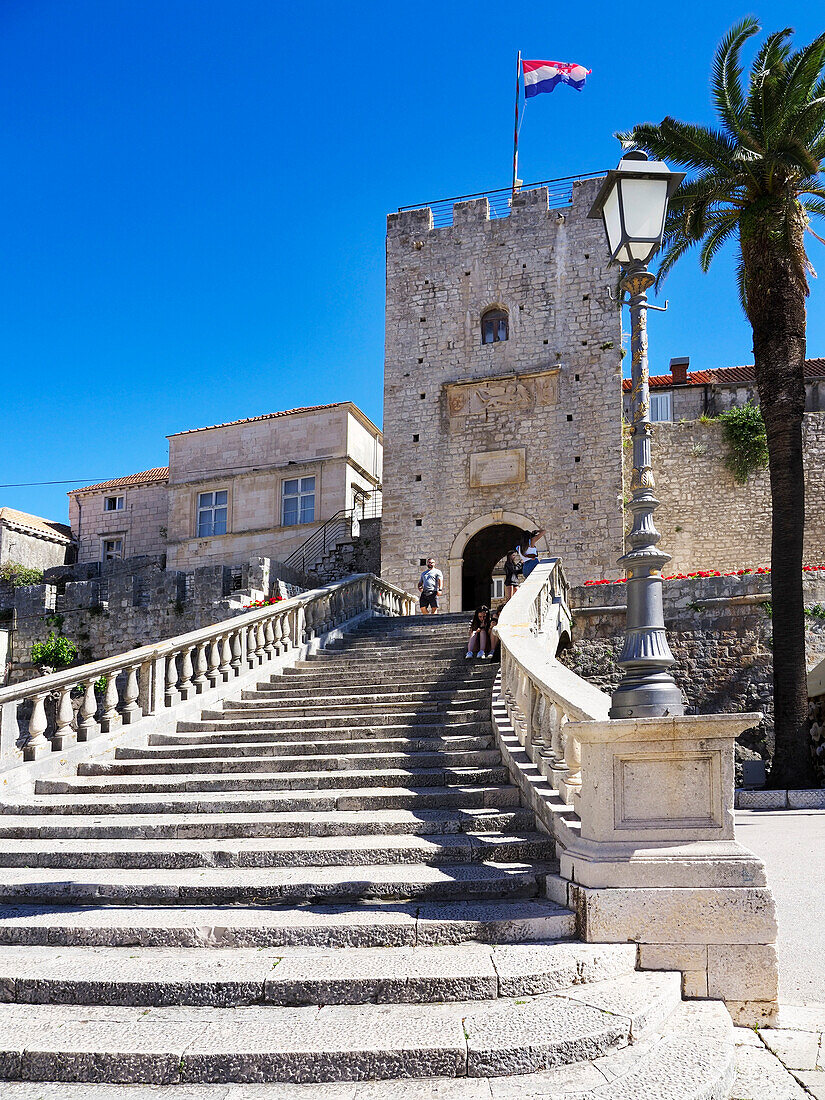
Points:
(652, 857)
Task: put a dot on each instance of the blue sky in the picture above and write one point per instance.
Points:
(194, 194)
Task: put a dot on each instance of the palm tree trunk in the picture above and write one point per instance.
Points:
(775, 288)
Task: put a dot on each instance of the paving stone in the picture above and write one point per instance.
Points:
(760, 1076)
(814, 1082)
(794, 1049)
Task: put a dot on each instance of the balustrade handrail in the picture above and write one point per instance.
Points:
(94, 670)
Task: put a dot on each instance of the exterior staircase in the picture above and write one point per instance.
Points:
(326, 889)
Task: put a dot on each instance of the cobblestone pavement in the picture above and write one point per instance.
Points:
(787, 1062)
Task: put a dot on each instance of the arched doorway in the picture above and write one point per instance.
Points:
(474, 553)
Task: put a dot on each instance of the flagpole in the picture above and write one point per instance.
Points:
(515, 130)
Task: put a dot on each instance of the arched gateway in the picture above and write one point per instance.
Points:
(474, 552)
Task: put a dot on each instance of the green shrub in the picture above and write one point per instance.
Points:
(56, 652)
(743, 430)
(18, 575)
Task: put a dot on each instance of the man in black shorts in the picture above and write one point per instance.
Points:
(430, 584)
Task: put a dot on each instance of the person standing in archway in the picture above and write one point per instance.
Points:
(528, 552)
(430, 585)
(512, 572)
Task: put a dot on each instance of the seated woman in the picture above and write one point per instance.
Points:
(479, 633)
(493, 642)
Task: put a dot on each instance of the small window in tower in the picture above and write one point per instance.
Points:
(494, 326)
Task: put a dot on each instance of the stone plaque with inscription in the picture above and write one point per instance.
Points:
(497, 468)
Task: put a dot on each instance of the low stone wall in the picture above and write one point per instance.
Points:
(720, 633)
(136, 602)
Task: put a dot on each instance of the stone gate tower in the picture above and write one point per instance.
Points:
(502, 390)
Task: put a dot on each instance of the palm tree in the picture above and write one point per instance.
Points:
(757, 180)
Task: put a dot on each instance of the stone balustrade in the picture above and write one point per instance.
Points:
(39, 718)
(641, 811)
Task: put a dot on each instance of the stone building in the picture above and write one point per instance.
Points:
(682, 394)
(502, 389)
(260, 485)
(32, 541)
(122, 518)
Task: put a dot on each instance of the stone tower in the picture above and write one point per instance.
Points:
(502, 391)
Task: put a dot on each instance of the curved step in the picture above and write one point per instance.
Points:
(336, 851)
(262, 886)
(223, 826)
(205, 750)
(295, 976)
(331, 1043)
(378, 923)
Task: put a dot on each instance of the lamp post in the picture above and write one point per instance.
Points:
(633, 202)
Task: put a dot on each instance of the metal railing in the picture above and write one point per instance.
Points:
(120, 690)
(339, 527)
(559, 193)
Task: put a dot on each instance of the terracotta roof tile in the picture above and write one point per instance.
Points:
(264, 416)
(36, 523)
(726, 376)
(146, 477)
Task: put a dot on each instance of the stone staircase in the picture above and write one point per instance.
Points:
(326, 889)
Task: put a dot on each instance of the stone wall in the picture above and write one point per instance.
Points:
(706, 520)
(720, 634)
(137, 602)
(529, 426)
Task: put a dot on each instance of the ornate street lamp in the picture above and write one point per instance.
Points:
(633, 202)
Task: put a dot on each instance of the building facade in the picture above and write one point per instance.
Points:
(502, 391)
(256, 486)
(32, 541)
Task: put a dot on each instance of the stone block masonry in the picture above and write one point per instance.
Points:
(136, 602)
(529, 425)
(720, 633)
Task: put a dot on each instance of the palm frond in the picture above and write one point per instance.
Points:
(694, 147)
(670, 252)
(767, 68)
(724, 224)
(742, 283)
(727, 76)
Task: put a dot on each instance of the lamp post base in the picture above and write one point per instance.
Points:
(646, 694)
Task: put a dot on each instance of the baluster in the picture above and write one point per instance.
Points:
(171, 696)
(213, 662)
(278, 633)
(252, 645)
(38, 744)
(87, 727)
(186, 687)
(225, 650)
(131, 712)
(546, 755)
(237, 652)
(110, 718)
(286, 631)
(260, 637)
(299, 626)
(201, 665)
(64, 736)
(269, 640)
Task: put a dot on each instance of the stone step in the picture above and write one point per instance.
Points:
(205, 749)
(337, 851)
(693, 1059)
(348, 734)
(343, 726)
(274, 781)
(376, 923)
(337, 762)
(355, 665)
(276, 718)
(333, 1042)
(269, 886)
(224, 978)
(464, 674)
(459, 797)
(479, 704)
(416, 693)
(246, 826)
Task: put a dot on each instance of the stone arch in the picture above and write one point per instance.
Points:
(455, 563)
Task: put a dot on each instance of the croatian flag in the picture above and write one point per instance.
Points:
(543, 76)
